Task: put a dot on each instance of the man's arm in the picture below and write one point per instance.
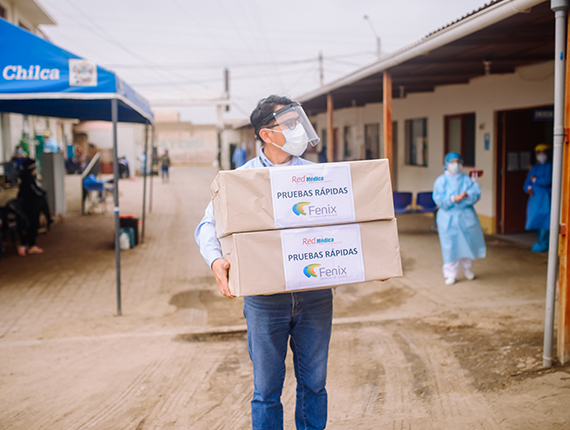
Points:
(211, 250)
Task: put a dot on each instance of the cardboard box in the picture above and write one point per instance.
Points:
(278, 261)
(301, 196)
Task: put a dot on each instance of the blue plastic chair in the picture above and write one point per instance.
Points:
(91, 183)
(401, 202)
(425, 203)
(95, 194)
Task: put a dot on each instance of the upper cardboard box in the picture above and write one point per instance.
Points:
(301, 196)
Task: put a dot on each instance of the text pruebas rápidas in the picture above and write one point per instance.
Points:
(323, 254)
(317, 192)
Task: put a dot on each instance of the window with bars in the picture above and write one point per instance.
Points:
(416, 142)
(460, 136)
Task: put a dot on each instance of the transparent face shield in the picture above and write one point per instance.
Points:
(289, 118)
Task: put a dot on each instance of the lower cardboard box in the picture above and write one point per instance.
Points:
(301, 259)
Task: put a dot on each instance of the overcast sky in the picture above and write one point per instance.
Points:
(179, 48)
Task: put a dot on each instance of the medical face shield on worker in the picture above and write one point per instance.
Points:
(293, 123)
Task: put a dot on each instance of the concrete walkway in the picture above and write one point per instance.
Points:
(410, 353)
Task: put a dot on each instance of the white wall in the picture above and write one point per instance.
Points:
(130, 139)
(529, 86)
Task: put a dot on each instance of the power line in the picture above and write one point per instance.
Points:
(220, 79)
(104, 34)
(235, 66)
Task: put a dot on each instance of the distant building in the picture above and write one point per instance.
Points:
(130, 142)
(187, 143)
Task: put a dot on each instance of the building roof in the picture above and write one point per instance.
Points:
(35, 12)
(494, 39)
(485, 6)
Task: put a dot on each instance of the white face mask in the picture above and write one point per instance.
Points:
(454, 167)
(541, 158)
(296, 140)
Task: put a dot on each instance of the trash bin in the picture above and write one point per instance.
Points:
(130, 232)
(130, 221)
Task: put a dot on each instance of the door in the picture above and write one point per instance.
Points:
(518, 132)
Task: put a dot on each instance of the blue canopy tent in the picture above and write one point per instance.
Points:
(39, 78)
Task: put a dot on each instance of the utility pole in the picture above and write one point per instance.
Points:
(321, 69)
(378, 52)
(220, 119)
(227, 87)
(560, 8)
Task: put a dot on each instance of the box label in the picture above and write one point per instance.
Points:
(312, 194)
(322, 256)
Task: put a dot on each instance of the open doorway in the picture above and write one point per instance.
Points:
(518, 132)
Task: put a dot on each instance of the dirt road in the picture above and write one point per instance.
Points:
(409, 353)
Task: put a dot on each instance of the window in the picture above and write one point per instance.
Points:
(416, 142)
(372, 141)
(460, 136)
(2, 12)
(347, 138)
(24, 26)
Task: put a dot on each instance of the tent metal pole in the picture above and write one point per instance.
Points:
(144, 176)
(115, 117)
(151, 174)
(559, 7)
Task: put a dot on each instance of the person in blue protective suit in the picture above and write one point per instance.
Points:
(51, 144)
(460, 233)
(303, 319)
(538, 186)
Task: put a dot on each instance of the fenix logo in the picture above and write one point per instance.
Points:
(320, 271)
(305, 208)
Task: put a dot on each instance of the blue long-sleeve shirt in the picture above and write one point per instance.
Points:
(205, 233)
(538, 207)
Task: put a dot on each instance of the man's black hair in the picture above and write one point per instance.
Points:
(259, 117)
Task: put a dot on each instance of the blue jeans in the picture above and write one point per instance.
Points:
(305, 317)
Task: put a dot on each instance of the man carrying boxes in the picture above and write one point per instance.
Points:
(286, 273)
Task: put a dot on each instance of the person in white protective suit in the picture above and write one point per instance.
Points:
(460, 233)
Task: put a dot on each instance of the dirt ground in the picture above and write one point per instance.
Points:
(410, 353)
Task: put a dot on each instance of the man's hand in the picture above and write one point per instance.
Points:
(530, 191)
(220, 269)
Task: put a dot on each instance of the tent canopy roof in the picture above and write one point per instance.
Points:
(39, 78)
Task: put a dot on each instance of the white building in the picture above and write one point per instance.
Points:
(482, 86)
